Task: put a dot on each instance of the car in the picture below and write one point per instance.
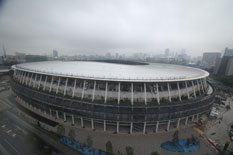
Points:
(214, 112)
(13, 135)
(231, 134)
(9, 132)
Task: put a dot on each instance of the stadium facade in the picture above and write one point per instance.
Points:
(114, 97)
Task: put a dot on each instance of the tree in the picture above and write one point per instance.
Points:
(109, 147)
(71, 134)
(176, 136)
(89, 141)
(154, 153)
(119, 153)
(228, 107)
(38, 146)
(60, 130)
(188, 141)
(194, 140)
(129, 150)
(29, 138)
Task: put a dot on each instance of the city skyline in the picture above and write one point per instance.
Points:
(78, 27)
(126, 77)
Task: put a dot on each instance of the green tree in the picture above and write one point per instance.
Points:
(194, 140)
(119, 153)
(61, 130)
(155, 153)
(71, 134)
(129, 150)
(228, 107)
(29, 138)
(176, 136)
(109, 147)
(47, 151)
(188, 141)
(38, 146)
(89, 141)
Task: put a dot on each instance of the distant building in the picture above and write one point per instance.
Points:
(35, 58)
(11, 59)
(229, 69)
(108, 56)
(209, 59)
(1, 60)
(217, 65)
(55, 53)
(166, 53)
(20, 57)
(19, 54)
(228, 52)
(116, 56)
(224, 66)
(183, 57)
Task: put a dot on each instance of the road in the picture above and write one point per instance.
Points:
(14, 145)
(217, 129)
(119, 141)
(52, 141)
(12, 139)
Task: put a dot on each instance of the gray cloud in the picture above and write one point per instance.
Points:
(85, 26)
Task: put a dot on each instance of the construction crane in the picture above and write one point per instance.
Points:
(4, 54)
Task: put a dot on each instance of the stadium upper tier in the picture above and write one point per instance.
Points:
(153, 72)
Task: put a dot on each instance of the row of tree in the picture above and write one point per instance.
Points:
(89, 142)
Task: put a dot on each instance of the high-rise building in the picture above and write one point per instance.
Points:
(55, 53)
(166, 53)
(217, 65)
(209, 59)
(229, 69)
(228, 52)
(225, 65)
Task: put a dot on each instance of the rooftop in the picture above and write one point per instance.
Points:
(153, 72)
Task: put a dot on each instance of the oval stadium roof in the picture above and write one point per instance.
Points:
(153, 72)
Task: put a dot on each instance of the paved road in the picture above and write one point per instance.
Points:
(14, 145)
(12, 139)
(143, 144)
(37, 131)
(217, 129)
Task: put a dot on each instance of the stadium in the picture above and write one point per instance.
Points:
(115, 97)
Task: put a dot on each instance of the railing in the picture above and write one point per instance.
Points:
(112, 112)
(151, 98)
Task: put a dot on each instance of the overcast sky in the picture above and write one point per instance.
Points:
(123, 26)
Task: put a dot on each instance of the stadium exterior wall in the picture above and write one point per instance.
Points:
(136, 106)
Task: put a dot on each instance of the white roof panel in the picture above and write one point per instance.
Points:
(115, 72)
